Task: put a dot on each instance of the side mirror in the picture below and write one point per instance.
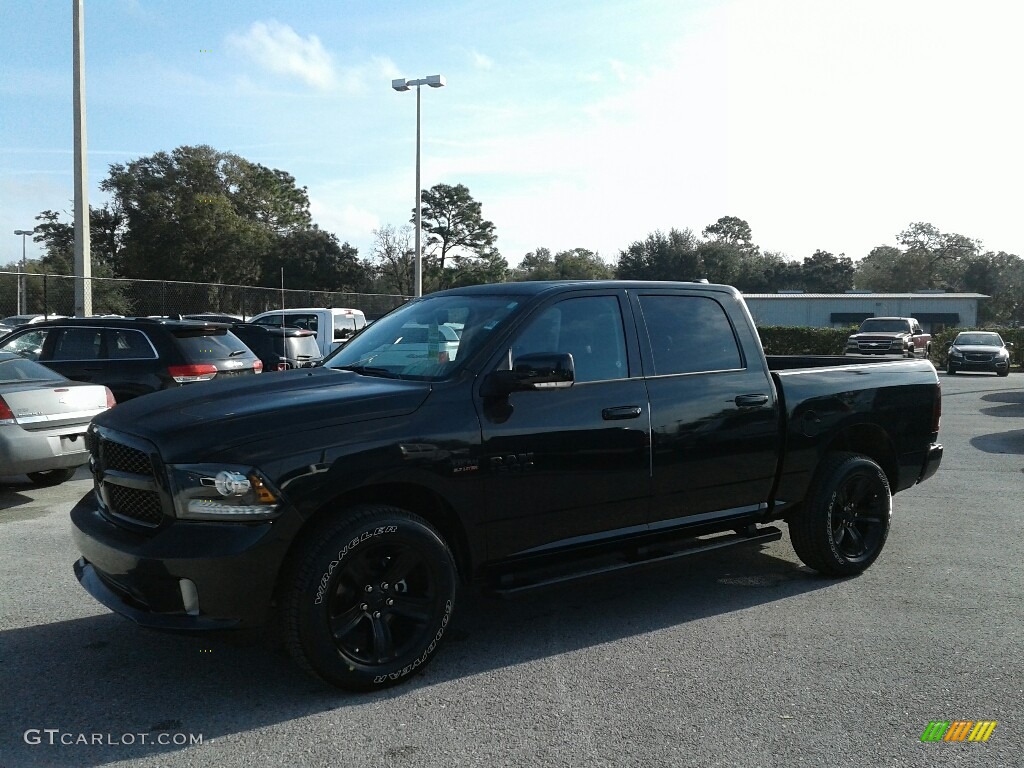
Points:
(540, 371)
(1009, 345)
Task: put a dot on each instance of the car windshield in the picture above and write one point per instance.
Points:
(979, 339)
(884, 326)
(14, 369)
(419, 340)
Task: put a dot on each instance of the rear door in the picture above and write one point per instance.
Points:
(565, 466)
(714, 413)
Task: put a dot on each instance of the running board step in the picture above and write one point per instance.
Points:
(512, 584)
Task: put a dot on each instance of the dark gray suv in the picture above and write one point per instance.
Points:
(133, 356)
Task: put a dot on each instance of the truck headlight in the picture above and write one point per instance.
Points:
(954, 352)
(223, 492)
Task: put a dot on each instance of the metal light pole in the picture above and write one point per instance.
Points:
(434, 81)
(22, 288)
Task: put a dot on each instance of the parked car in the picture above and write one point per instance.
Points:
(280, 348)
(43, 418)
(16, 321)
(579, 427)
(979, 351)
(901, 336)
(333, 327)
(134, 356)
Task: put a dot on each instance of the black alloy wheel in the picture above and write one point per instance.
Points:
(843, 526)
(371, 595)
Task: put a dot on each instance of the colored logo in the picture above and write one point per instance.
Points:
(959, 730)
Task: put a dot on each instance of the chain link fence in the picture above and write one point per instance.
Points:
(29, 294)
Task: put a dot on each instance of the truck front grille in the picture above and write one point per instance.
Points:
(125, 475)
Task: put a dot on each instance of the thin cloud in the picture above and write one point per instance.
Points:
(280, 49)
(482, 61)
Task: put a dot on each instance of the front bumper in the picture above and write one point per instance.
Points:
(990, 366)
(186, 576)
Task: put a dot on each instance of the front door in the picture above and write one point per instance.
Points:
(569, 465)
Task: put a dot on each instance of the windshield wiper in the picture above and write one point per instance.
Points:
(369, 370)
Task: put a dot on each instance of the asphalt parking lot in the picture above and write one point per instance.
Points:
(736, 658)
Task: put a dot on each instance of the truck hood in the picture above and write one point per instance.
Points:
(217, 415)
(879, 336)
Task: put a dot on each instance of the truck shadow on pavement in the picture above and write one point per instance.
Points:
(1012, 442)
(104, 675)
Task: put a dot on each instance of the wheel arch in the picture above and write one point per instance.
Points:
(868, 440)
(417, 499)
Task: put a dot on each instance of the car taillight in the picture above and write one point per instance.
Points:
(111, 402)
(257, 367)
(183, 374)
(937, 409)
(282, 366)
(6, 414)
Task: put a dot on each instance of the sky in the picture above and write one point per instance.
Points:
(825, 124)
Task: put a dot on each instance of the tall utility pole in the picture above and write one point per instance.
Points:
(83, 253)
(403, 84)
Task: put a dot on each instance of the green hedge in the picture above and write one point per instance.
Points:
(787, 340)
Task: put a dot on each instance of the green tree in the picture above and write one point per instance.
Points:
(662, 257)
(574, 264)
(826, 273)
(536, 265)
(767, 272)
(880, 271)
(731, 231)
(455, 228)
(106, 230)
(393, 260)
(203, 215)
(313, 259)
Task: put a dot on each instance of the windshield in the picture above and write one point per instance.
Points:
(884, 326)
(980, 339)
(420, 340)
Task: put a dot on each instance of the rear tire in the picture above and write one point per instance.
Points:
(842, 528)
(52, 476)
(368, 598)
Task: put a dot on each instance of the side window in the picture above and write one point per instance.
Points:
(588, 328)
(77, 344)
(28, 345)
(126, 344)
(689, 334)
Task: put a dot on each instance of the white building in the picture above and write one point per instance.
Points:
(934, 310)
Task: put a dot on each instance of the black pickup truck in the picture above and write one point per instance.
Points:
(504, 436)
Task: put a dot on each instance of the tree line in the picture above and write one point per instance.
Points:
(203, 215)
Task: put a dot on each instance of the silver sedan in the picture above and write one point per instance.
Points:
(43, 418)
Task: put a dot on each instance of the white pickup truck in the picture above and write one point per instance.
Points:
(333, 326)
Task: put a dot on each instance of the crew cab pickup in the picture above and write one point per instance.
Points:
(571, 428)
(332, 326)
(890, 336)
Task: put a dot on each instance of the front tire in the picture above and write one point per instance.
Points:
(369, 597)
(950, 370)
(843, 526)
(52, 476)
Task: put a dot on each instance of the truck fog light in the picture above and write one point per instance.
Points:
(189, 596)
